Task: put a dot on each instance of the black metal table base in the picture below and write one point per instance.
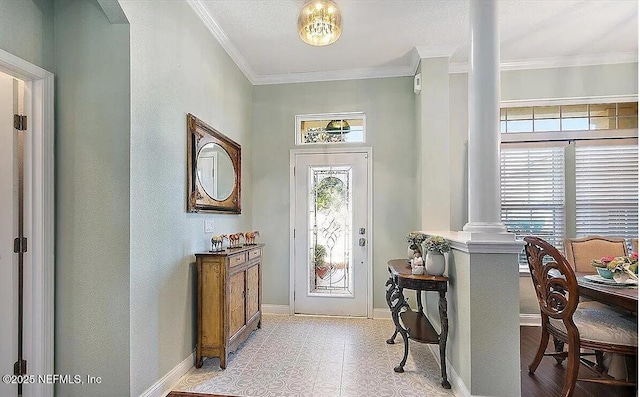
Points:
(398, 304)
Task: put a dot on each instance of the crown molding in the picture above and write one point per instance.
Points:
(335, 75)
(556, 62)
(113, 11)
(425, 52)
(417, 53)
(211, 24)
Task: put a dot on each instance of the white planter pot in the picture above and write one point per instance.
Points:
(434, 264)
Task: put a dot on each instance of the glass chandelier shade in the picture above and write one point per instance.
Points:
(319, 22)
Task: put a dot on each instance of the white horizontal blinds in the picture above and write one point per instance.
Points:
(532, 193)
(607, 190)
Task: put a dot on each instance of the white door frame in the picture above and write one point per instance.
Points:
(39, 283)
(292, 212)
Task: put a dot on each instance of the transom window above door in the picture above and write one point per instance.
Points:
(330, 128)
(574, 117)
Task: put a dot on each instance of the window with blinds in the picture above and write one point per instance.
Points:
(532, 193)
(607, 190)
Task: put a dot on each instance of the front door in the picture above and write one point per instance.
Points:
(331, 262)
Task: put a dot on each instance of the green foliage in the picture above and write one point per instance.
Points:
(318, 255)
(330, 193)
(437, 243)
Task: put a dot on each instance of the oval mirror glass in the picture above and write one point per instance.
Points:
(215, 171)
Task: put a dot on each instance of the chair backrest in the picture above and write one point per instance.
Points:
(634, 244)
(553, 280)
(581, 251)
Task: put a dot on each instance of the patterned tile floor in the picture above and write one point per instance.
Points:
(319, 356)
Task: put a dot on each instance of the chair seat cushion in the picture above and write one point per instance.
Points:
(602, 326)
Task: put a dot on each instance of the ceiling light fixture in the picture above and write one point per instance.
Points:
(319, 22)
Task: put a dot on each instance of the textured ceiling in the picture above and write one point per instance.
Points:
(379, 36)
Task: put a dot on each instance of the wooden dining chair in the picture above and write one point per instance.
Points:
(634, 244)
(602, 331)
(581, 251)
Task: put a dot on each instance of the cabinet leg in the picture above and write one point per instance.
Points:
(391, 288)
(198, 360)
(444, 322)
(405, 338)
(223, 361)
(392, 340)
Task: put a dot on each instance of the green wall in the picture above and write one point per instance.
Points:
(92, 199)
(26, 30)
(570, 82)
(390, 111)
(177, 67)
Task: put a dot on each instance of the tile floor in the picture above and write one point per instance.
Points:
(320, 356)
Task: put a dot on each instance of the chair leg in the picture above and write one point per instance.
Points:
(573, 365)
(544, 341)
(559, 345)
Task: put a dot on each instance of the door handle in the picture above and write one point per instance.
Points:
(362, 241)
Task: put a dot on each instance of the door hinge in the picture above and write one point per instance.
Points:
(20, 245)
(20, 122)
(294, 171)
(20, 367)
(294, 233)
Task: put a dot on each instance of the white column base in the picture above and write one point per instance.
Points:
(485, 227)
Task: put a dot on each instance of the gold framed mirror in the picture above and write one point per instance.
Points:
(213, 169)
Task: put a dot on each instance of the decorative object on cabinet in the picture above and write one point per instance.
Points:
(216, 242)
(213, 169)
(415, 240)
(330, 128)
(229, 299)
(234, 240)
(250, 237)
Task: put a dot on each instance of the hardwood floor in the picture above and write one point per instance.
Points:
(548, 378)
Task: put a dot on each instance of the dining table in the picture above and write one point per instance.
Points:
(624, 297)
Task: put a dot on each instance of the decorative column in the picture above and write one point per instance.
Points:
(484, 121)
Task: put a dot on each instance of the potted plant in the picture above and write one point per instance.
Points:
(415, 240)
(435, 247)
(318, 259)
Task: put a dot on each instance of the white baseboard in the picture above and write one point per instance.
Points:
(164, 385)
(381, 313)
(457, 385)
(284, 309)
(274, 309)
(530, 320)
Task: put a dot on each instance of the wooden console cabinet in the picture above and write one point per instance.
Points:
(229, 299)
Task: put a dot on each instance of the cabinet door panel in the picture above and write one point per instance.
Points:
(236, 302)
(253, 285)
(212, 300)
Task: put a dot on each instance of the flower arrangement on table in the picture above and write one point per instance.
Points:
(617, 267)
(437, 243)
(415, 240)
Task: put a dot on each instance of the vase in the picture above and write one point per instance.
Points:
(434, 264)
